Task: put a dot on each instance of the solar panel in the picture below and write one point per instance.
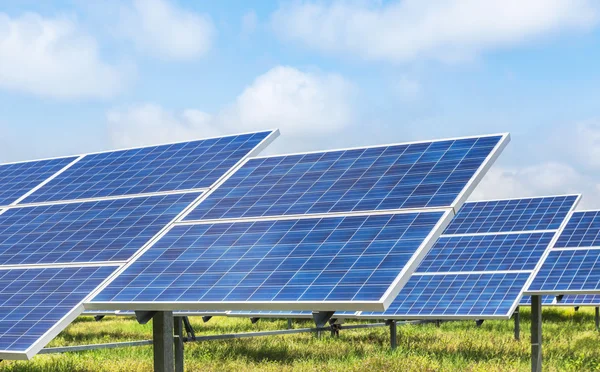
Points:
(571, 266)
(83, 217)
(336, 259)
(448, 295)
(546, 300)
(351, 256)
(36, 302)
(177, 166)
(579, 300)
(93, 231)
(481, 275)
(17, 179)
(508, 215)
(486, 252)
(418, 175)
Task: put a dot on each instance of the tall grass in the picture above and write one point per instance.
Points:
(570, 344)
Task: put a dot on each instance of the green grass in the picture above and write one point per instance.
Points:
(570, 344)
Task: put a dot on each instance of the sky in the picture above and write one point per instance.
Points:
(79, 76)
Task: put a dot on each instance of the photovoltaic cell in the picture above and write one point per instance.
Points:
(32, 301)
(457, 295)
(428, 174)
(17, 179)
(352, 258)
(179, 166)
(567, 271)
(107, 230)
(512, 215)
(486, 252)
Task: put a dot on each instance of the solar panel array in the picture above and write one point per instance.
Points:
(334, 230)
(572, 265)
(481, 264)
(69, 223)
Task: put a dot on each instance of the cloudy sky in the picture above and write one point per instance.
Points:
(79, 76)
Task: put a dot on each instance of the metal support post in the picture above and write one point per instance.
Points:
(206, 318)
(98, 317)
(254, 320)
(290, 323)
(517, 317)
(189, 330)
(178, 328)
(576, 308)
(393, 333)
(597, 318)
(162, 336)
(321, 318)
(536, 333)
(437, 323)
(479, 322)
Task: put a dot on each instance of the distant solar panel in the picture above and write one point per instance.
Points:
(571, 266)
(177, 166)
(579, 300)
(334, 259)
(34, 303)
(486, 252)
(306, 261)
(480, 275)
(457, 295)
(17, 179)
(418, 175)
(508, 215)
(93, 231)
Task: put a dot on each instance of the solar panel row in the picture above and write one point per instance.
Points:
(213, 262)
(479, 274)
(55, 253)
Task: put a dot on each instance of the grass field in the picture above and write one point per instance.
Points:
(570, 344)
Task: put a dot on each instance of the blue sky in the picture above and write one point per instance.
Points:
(78, 76)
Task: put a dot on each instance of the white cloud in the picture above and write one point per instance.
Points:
(301, 104)
(579, 142)
(541, 179)
(167, 31)
(408, 89)
(444, 29)
(53, 57)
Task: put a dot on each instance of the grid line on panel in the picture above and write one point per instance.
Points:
(32, 301)
(17, 179)
(352, 258)
(419, 175)
(178, 166)
(456, 295)
(110, 230)
(512, 215)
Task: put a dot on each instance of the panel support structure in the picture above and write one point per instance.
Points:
(162, 336)
(536, 333)
(597, 318)
(178, 341)
(393, 333)
(517, 318)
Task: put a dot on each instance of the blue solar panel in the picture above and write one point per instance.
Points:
(580, 300)
(461, 295)
(476, 263)
(486, 252)
(582, 230)
(546, 300)
(179, 166)
(511, 215)
(92, 231)
(353, 258)
(428, 174)
(32, 301)
(17, 179)
(568, 270)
